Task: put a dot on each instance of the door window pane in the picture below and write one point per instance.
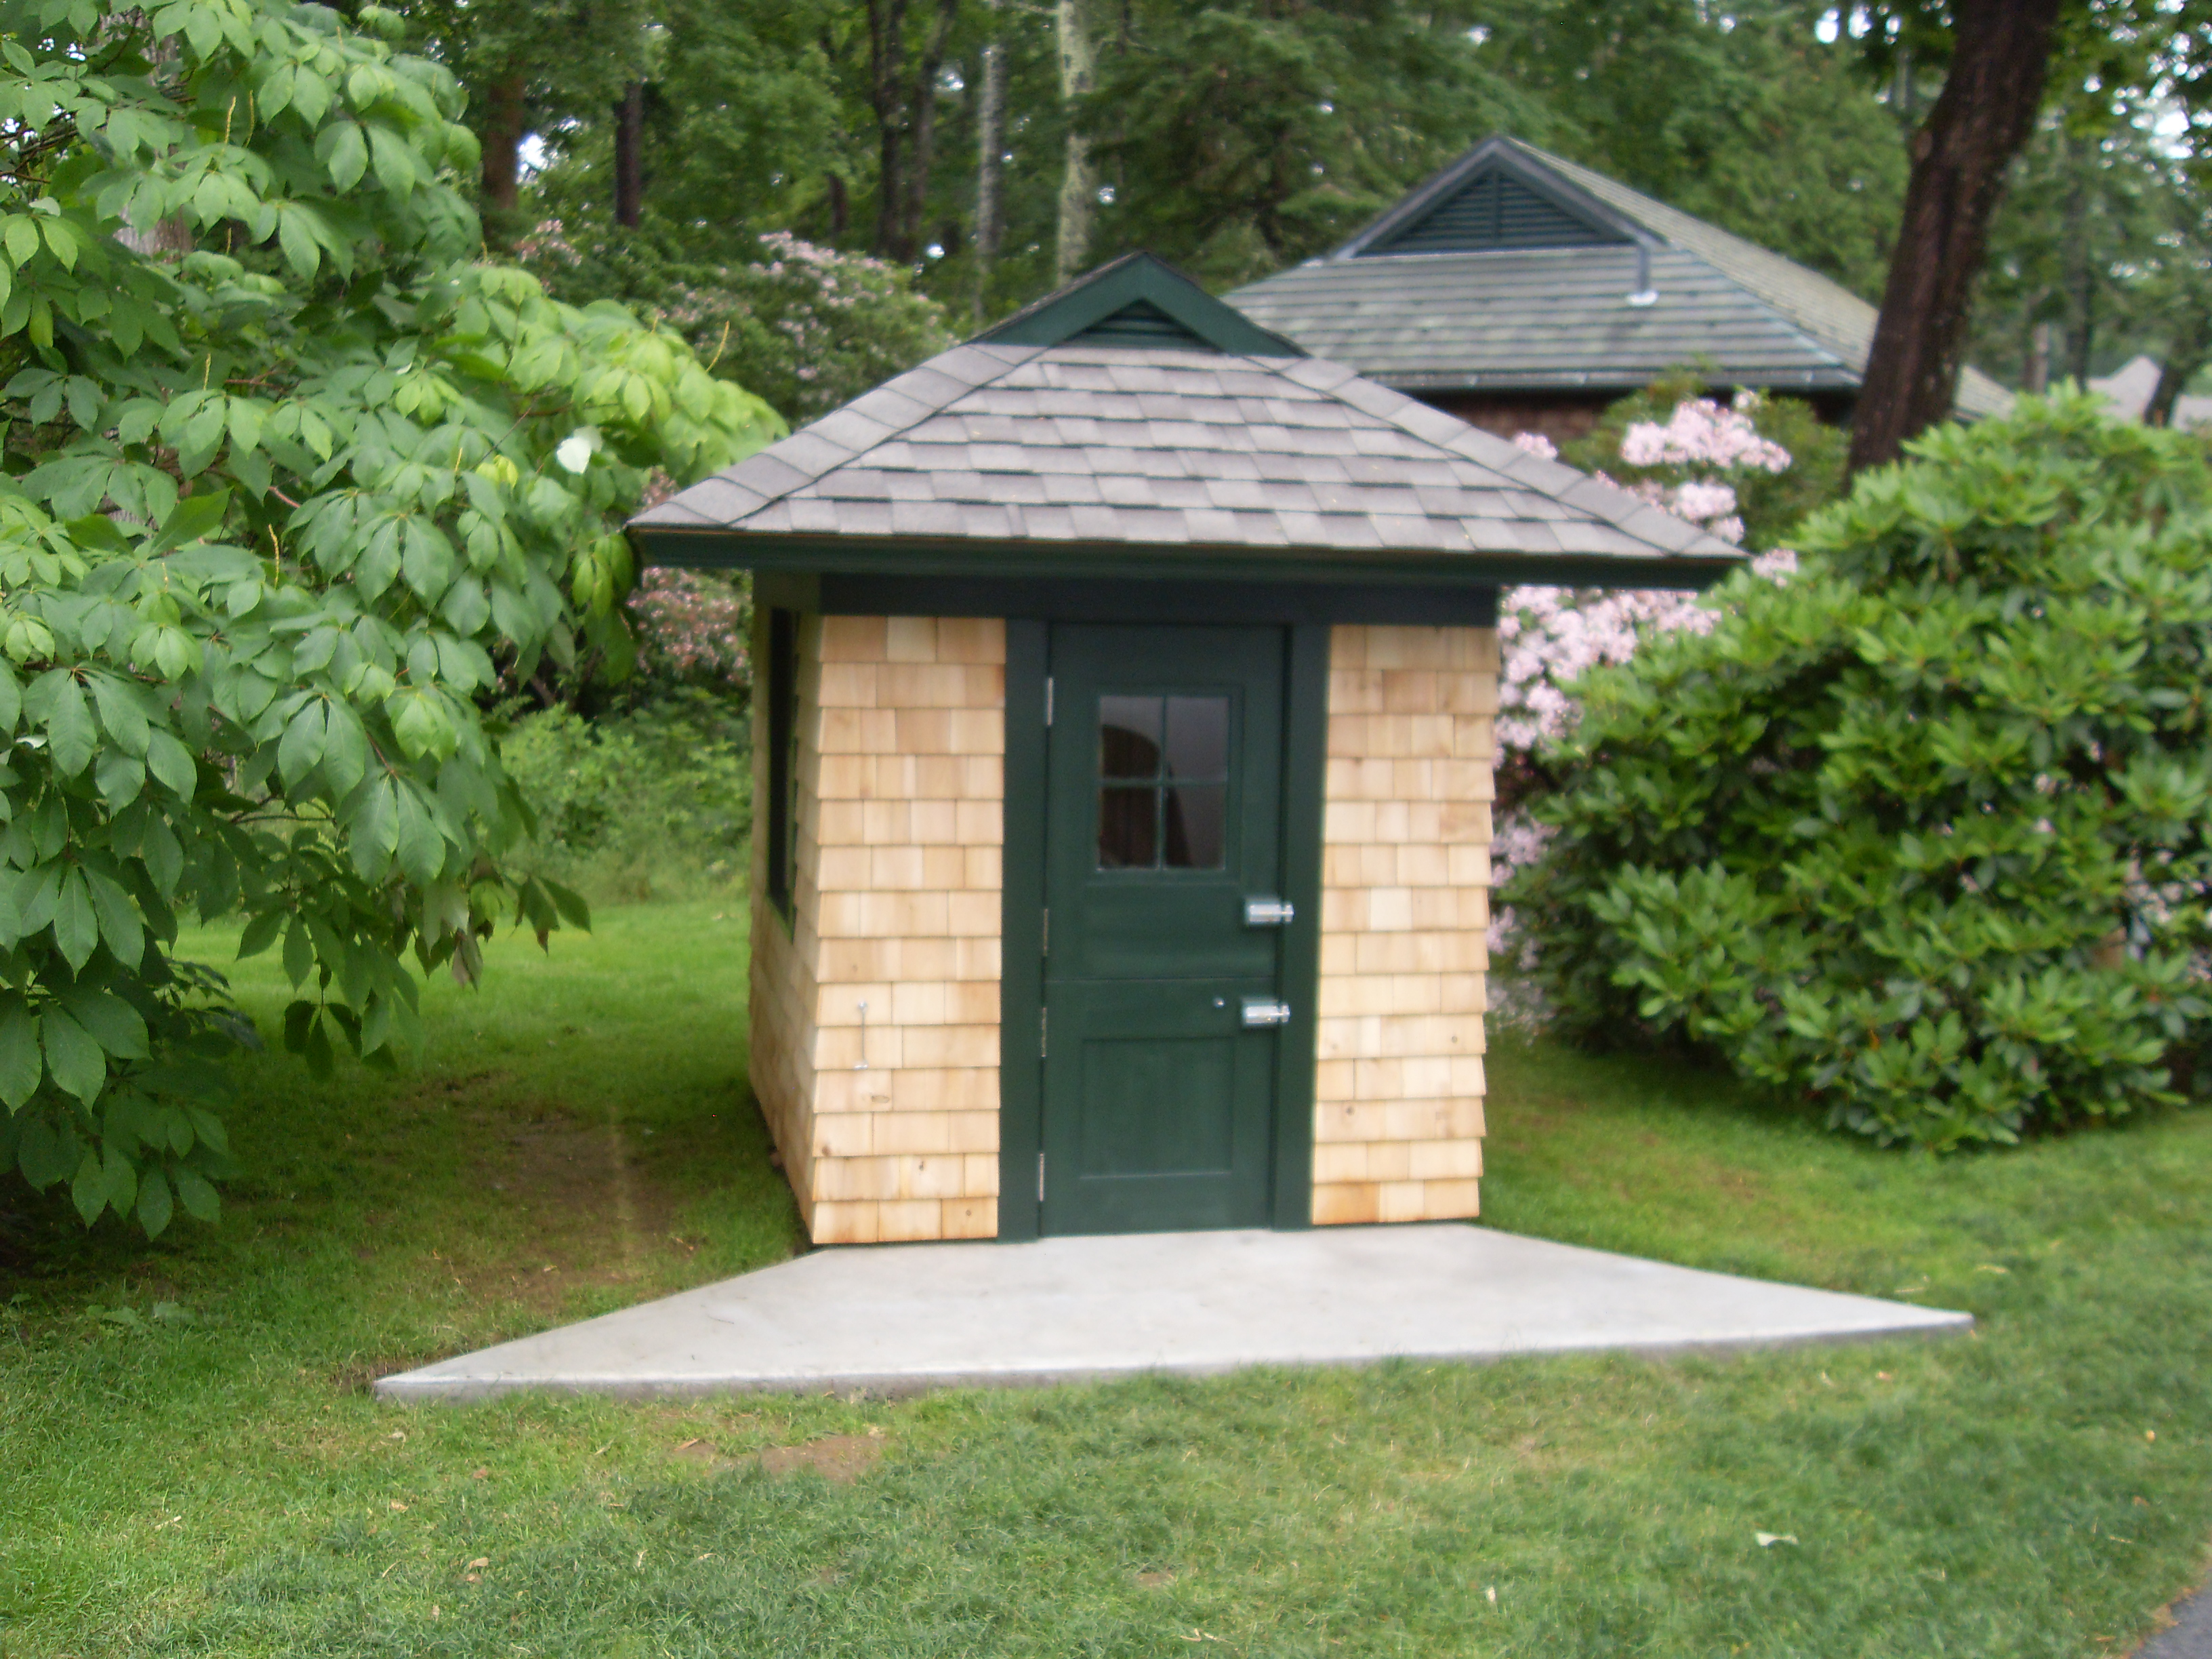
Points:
(1163, 782)
(1198, 737)
(1129, 737)
(1196, 816)
(1126, 829)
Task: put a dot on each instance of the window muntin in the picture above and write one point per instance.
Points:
(1163, 781)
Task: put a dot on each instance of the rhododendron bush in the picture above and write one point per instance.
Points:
(1691, 463)
(1920, 834)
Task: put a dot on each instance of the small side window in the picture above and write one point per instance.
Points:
(782, 757)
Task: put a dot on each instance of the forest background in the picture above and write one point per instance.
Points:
(819, 193)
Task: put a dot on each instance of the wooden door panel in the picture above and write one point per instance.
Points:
(1162, 815)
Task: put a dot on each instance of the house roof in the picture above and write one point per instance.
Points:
(1049, 446)
(1514, 269)
(2130, 388)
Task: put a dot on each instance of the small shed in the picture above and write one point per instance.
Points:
(1124, 686)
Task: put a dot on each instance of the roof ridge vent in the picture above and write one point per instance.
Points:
(1493, 210)
(1140, 323)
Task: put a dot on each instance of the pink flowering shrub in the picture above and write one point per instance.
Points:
(692, 628)
(1688, 464)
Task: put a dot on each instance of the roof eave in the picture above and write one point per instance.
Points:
(709, 547)
(1613, 381)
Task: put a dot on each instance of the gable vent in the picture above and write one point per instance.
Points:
(1492, 210)
(1141, 323)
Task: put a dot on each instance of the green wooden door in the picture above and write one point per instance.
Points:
(1163, 824)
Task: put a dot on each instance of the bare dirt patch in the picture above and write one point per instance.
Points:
(841, 1459)
(594, 1214)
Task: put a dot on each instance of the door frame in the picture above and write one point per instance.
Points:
(1021, 982)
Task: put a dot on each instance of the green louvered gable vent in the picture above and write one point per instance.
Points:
(1141, 323)
(1491, 210)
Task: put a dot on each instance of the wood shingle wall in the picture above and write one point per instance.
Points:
(1405, 915)
(898, 827)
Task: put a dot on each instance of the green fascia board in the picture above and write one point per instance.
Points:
(1060, 316)
(710, 549)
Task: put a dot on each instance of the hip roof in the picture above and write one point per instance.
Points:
(1651, 289)
(1081, 459)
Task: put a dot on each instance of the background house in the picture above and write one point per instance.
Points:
(1522, 294)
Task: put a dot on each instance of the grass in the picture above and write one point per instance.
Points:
(226, 1485)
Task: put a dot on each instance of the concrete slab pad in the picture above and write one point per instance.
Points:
(899, 1318)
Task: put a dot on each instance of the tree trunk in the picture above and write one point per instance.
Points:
(1985, 115)
(502, 142)
(2082, 286)
(990, 161)
(841, 208)
(1078, 178)
(2036, 380)
(630, 156)
(904, 99)
(2185, 354)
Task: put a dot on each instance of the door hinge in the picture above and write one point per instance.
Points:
(1043, 1031)
(1040, 1178)
(1048, 700)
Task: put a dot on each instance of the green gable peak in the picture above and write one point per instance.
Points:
(1141, 301)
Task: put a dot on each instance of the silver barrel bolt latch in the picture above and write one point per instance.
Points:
(1266, 911)
(1266, 1010)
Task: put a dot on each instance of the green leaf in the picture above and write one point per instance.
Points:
(571, 905)
(73, 1060)
(20, 236)
(297, 240)
(421, 848)
(196, 516)
(77, 926)
(120, 714)
(42, 1156)
(345, 750)
(299, 953)
(197, 1196)
(109, 1021)
(260, 934)
(300, 748)
(120, 777)
(20, 1066)
(89, 1192)
(154, 1203)
(119, 918)
(172, 763)
(71, 733)
(343, 149)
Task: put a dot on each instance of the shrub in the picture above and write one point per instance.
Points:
(808, 328)
(1920, 834)
(652, 804)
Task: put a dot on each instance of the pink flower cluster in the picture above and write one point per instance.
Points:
(691, 627)
(1551, 636)
(1702, 434)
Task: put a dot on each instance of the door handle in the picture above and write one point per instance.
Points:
(1264, 910)
(1266, 1010)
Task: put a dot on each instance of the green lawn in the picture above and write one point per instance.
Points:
(580, 1136)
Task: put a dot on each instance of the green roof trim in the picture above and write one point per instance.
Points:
(1138, 293)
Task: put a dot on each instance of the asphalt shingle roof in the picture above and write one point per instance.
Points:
(1552, 318)
(1046, 448)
